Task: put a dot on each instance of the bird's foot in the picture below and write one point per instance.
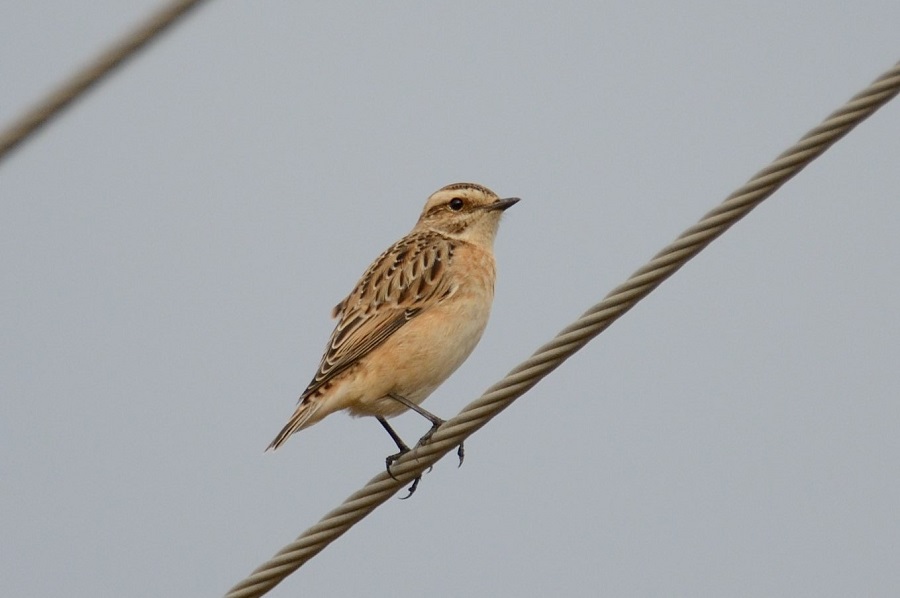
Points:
(460, 450)
(391, 459)
(412, 488)
(427, 437)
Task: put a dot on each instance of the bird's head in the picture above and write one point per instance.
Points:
(465, 211)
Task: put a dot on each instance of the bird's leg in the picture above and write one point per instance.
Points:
(403, 449)
(435, 423)
(391, 458)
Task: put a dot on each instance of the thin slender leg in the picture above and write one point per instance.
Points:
(394, 436)
(435, 420)
(435, 423)
(403, 449)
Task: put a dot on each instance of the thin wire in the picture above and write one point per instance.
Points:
(52, 105)
(571, 339)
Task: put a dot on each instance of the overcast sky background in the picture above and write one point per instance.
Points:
(171, 247)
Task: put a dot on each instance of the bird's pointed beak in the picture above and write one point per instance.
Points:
(502, 204)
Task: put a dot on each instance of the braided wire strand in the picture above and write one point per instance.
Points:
(572, 338)
(51, 106)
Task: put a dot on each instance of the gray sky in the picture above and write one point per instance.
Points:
(170, 250)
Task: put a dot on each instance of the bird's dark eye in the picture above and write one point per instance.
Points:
(456, 204)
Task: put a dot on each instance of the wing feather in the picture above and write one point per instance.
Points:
(404, 281)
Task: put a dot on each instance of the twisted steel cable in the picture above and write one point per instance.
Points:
(80, 82)
(594, 321)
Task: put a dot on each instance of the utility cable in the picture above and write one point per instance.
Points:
(52, 105)
(594, 321)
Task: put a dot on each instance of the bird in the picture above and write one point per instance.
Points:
(413, 318)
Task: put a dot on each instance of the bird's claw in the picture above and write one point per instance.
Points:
(460, 450)
(412, 488)
(390, 459)
(427, 436)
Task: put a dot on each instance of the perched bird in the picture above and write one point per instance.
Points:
(412, 319)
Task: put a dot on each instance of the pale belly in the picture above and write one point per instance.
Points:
(420, 356)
